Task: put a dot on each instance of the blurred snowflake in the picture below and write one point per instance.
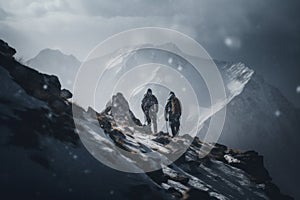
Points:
(298, 89)
(232, 42)
(277, 113)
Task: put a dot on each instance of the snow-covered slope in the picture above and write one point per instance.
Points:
(43, 158)
(53, 61)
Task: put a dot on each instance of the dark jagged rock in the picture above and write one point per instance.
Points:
(40, 119)
(194, 194)
(41, 86)
(65, 94)
(118, 107)
(253, 164)
(6, 50)
(163, 138)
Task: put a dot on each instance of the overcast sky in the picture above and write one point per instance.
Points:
(265, 34)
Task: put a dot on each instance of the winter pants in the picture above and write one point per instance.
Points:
(174, 124)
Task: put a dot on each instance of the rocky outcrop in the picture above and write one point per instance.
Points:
(46, 111)
(41, 86)
(6, 50)
(242, 174)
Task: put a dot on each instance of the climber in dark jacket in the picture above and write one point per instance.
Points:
(150, 109)
(173, 113)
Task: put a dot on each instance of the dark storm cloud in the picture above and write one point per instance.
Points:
(262, 33)
(128, 8)
(40, 10)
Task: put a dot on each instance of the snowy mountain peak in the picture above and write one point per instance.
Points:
(235, 76)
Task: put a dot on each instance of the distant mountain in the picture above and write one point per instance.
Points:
(53, 61)
(43, 157)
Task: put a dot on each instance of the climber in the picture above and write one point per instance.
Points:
(173, 113)
(150, 109)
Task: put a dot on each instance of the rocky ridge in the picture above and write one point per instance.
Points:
(38, 132)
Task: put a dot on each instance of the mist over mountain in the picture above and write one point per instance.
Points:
(53, 61)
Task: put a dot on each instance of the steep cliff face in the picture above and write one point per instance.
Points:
(43, 157)
(261, 118)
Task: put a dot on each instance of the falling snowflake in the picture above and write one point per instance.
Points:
(170, 61)
(277, 113)
(184, 89)
(45, 87)
(179, 68)
(86, 171)
(49, 115)
(111, 192)
(298, 89)
(76, 131)
(75, 157)
(232, 42)
(228, 42)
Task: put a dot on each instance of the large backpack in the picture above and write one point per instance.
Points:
(175, 107)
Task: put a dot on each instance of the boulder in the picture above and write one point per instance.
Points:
(6, 50)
